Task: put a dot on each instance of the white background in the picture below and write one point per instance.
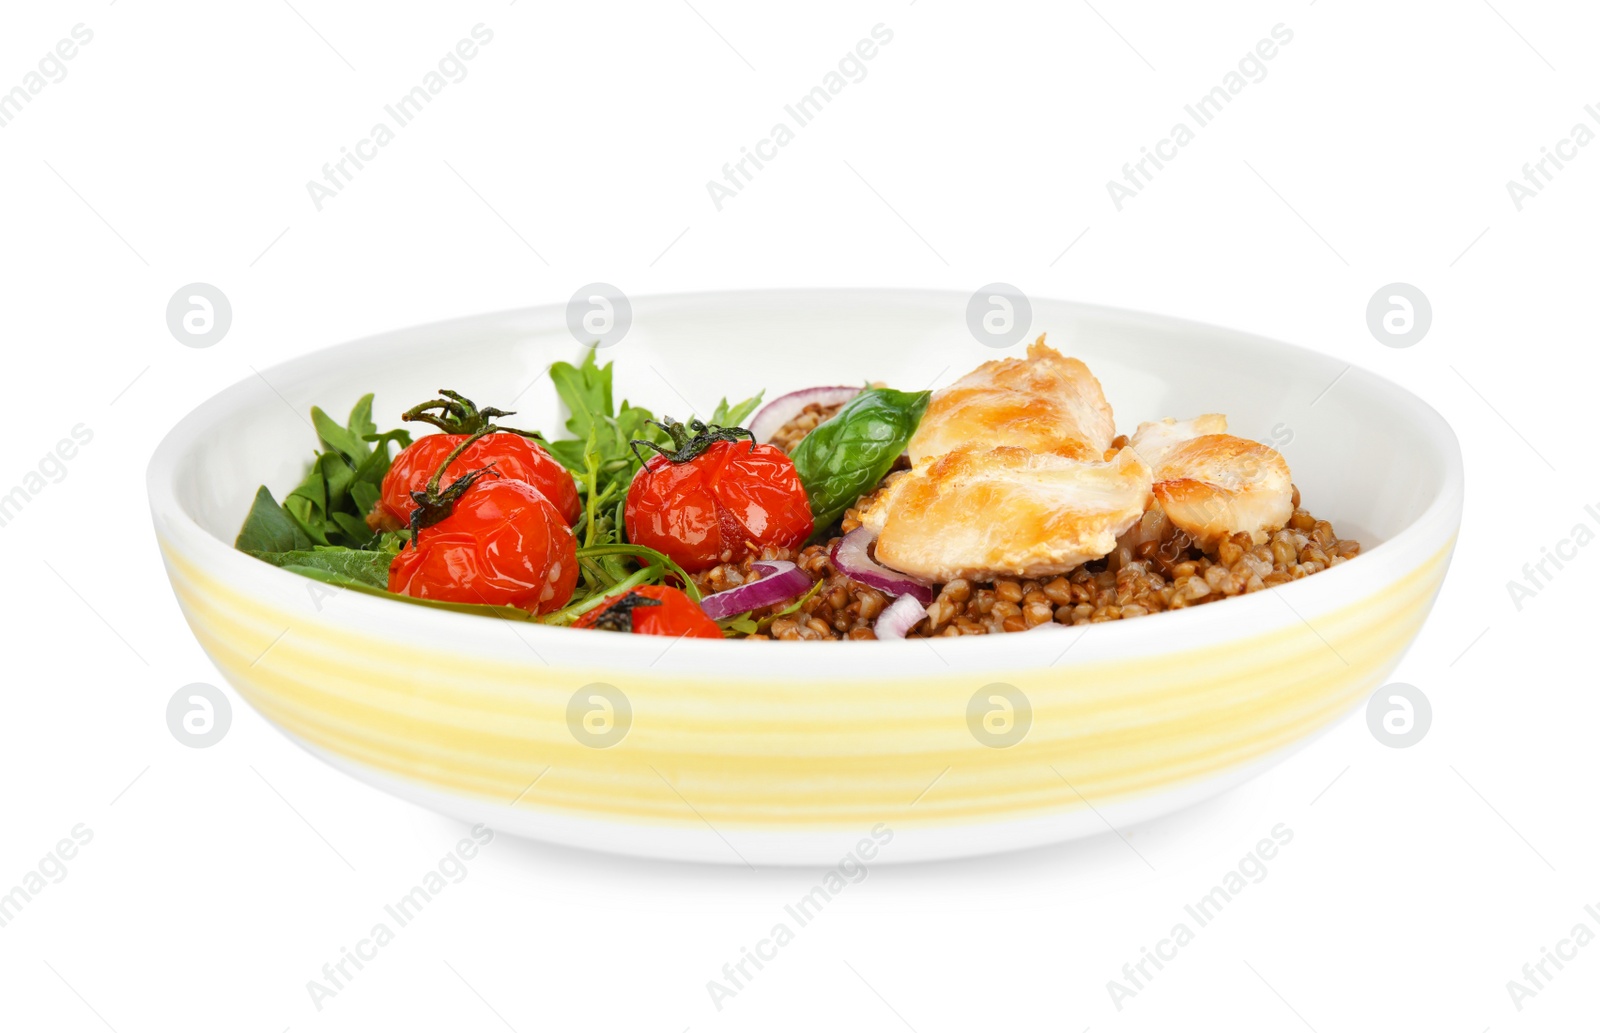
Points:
(1377, 148)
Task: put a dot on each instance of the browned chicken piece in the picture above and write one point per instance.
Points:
(1154, 440)
(1039, 403)
(982, 512)
(1211, 484)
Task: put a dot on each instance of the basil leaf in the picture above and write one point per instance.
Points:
(846, 457)
(268, 528)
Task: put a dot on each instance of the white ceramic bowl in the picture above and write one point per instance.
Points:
(766, 753)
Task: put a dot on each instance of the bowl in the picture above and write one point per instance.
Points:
(795, 752)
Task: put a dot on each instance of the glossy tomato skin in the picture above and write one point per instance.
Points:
(514, 457)
(504, 544)
(722, 506)
(676, 615)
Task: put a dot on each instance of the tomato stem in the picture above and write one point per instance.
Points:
(452, 414)
(618, 616)
(456, 414)
(690, 441)
(434, 505)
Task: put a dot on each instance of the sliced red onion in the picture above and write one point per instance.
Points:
(900, 617)
(851, 556)
(784, 408)
(780, 581)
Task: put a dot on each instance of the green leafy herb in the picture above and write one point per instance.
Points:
(503, 612)
(320, 529)
(598, 453)
(602, 436)
(330, 504)
(726, 415)
(342, 565)
(846, 456)
(739, 624)
(268, 528)
(792, 608)
(642, 554)
(601, 456)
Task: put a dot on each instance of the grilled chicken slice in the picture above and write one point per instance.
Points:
(1039, 403)
(1154, 440)
(982, 512)
(1212, 485)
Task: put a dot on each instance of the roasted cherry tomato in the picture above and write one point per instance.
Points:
(514, 457)
(651, 610)
(716, 498)
(502, 544)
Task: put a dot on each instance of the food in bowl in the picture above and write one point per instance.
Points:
(1004, 502)
(697, 750)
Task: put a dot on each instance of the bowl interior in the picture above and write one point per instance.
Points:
(1366, 455)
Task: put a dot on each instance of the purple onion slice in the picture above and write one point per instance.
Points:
(851, 556)
(784, 408)
(780, 581)
(900, 617)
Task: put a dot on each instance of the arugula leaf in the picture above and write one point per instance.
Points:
(320, 530)
(586, 390)
(367, 571)
(364, 566)
(360, 422)
(354, 528)
(307, 504)
(375, 466)
(329, 505)
(365, 495)
(734, 416)
(510, 613)
(268, 528)
(633, 422)
(740, 624)
(600, 453)
(601, 457)
(568, 453)
(344, 440)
